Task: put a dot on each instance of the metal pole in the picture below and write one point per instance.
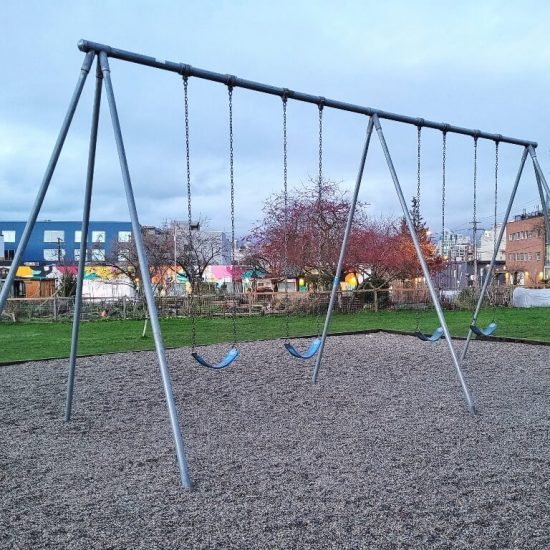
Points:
(343, 249)
(539, 171)
(144, 268)
(83, 243)
(425, 270)
(544, 206)
(187, 70)
(8, 283)
(495, 252)
(542, 185)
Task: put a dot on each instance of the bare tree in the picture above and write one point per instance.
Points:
(123, 258)
(195, 248)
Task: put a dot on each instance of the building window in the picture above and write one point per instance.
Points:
(77, 236)
(54, 254)
(54, 236)
(538, 255)
(77, 254)
(124, 236)
(98, 236)
(9, 236)
(9, 254)
(98, 255)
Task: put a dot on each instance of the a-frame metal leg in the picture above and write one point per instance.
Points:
(539, 171)
(83, 243)
(495, 252)
(144, 268)
(343, 250)
(424, 265)
(545, 204)
(8, 283)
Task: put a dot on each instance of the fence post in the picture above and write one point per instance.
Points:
(124, 307)
(375, 300)
(55, 308)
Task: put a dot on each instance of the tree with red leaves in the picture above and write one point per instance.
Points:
(312, 237)
(382, 250)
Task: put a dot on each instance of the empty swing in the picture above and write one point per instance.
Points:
(316, 343)
(233, 353)
(438, 332)
(492, 326)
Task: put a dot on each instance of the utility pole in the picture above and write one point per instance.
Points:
(59, 241)
(475, 229)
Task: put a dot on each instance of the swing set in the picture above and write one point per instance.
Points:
(103, 53)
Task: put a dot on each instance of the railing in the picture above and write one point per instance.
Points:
(250, 303)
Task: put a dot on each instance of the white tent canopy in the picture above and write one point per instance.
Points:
(531, 297)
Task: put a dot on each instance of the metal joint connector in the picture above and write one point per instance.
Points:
(322, 102)
(476, 134)
(420, 122)
(445, 128)
(230, 80)
(185, 70)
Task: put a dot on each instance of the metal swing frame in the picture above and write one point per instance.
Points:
(543, 188)
(103, 52)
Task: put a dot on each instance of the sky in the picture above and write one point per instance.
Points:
(476, 64)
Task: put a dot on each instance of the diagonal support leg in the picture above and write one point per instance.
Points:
(83, 244)
(343, 250)
(545, 205)
(495, 252)
(146, 282)
(8, 283)
(424, 265)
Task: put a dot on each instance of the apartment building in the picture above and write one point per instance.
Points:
(59, 241)
(454, 246)
(527, 252)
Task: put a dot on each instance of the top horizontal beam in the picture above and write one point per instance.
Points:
(230, 80)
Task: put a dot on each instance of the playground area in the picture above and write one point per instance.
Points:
(382, 452)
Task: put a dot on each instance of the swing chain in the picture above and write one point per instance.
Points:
(474, 221)
(475, 182)
(416, 213)
(320, 180)
(285, 198)
(496, 197)
(319, 211)
(443, 188)
(189, 216)
(232, 184)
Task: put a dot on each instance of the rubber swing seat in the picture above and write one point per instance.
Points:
(232, 354)
(487, 331)
(437, 334)
(312, 350)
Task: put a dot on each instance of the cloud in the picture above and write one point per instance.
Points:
(469, 63)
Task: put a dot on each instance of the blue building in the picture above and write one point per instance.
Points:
(55, 241)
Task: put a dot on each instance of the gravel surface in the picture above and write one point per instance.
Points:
(382, 453)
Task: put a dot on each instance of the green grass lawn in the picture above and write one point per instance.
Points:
(26, 341)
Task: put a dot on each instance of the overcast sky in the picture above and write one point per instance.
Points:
(479, 64)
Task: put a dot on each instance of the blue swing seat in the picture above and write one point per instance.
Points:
(487, 331)
(225, 362)
(437, 334)
(313, 349)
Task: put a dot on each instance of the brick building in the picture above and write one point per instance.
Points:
(526, 250)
